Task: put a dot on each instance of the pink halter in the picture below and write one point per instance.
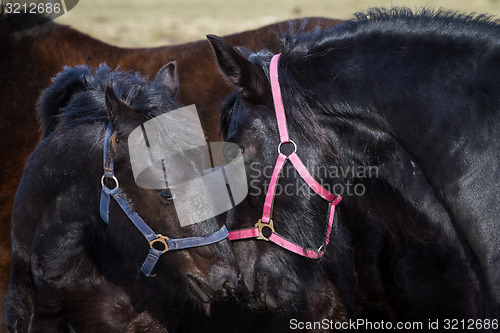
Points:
(264, 228)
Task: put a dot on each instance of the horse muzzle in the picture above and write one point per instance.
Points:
(260, 298)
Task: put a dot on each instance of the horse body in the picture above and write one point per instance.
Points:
(443, 112)
(30, 58)
(415, 95)
(71, 271)
(463, 168)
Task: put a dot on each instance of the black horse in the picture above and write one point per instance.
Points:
(71, 270)
(412, 96)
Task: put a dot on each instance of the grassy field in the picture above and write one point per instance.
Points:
(161, 22)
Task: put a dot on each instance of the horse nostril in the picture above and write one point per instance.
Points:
(262, 286)
(262, 283)
(263, 300)
(228, 285)
(199, 289)
(228, 289)
(226, 280)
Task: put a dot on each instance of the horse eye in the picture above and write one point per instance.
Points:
(167, 194)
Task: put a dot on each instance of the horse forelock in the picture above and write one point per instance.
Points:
(77, 96)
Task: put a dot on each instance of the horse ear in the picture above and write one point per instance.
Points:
(244, 52)
(115, 107)
(232, 63)
(167, 75)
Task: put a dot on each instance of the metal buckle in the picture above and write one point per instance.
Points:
(163, 240)
(261, 225)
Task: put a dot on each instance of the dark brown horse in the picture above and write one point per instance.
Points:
(30, 58)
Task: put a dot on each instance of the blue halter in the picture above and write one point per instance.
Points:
(165, 243)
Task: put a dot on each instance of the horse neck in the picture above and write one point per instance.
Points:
(421, 92)
(389, 173)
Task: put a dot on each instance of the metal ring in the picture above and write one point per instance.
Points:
(117, 185)
(289, 141)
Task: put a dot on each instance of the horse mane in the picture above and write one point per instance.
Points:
(53, 99)
(395, 20)
(299, 46)
(77, 96)
(374, 25)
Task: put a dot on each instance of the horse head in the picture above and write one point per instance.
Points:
(276, 278)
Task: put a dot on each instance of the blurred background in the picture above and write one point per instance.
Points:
(162, 22)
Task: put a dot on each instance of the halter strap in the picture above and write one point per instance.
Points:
(158, 243)
(278, 101)
(266, 223)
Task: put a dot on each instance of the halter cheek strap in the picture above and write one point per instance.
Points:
(158, 243)
(264, 228)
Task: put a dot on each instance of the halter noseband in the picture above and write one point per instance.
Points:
(164, 243)
(264, 228)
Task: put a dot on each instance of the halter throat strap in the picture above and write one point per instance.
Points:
(264, 228)
(158, 243)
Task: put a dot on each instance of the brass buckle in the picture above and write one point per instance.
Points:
(261, 225)
(161, 239)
